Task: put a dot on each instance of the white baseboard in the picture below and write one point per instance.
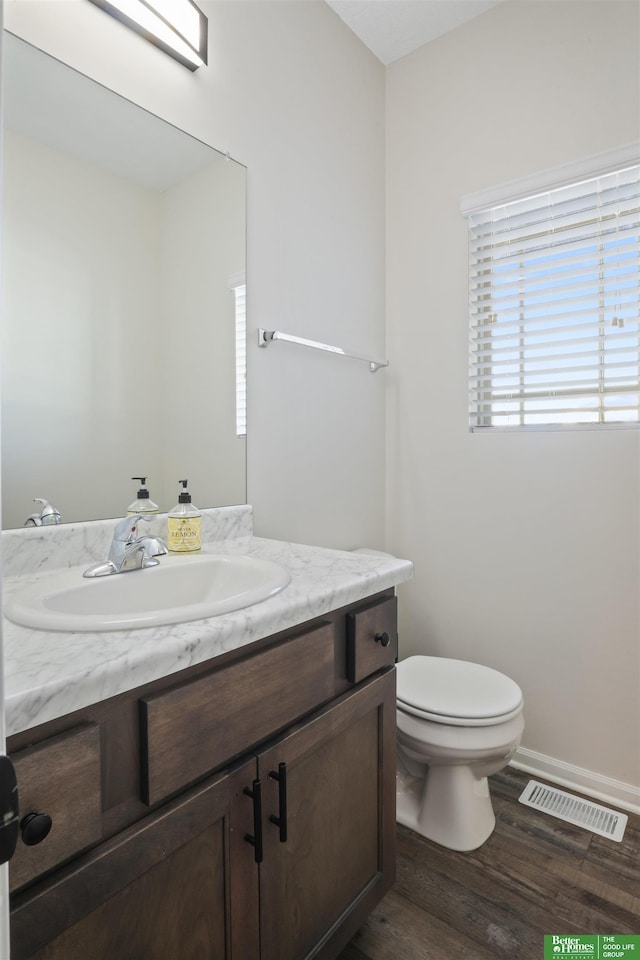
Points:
(613, 792)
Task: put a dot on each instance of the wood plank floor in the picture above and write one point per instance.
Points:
(535, 875)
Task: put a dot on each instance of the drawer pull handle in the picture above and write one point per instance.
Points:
(281, 820)
(35, 827)
(256, 839)
(383, 639)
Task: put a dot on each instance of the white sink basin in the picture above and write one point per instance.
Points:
(177, 590)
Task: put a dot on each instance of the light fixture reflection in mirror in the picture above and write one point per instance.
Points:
(178, 27)
(121, 235)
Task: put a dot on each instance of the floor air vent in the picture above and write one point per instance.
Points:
(583, 813)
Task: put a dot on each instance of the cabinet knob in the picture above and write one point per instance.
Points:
(35, 827)
(383, 639)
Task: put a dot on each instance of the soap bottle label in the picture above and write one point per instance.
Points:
(184, 534)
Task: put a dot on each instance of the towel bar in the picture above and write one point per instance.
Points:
(266, 336)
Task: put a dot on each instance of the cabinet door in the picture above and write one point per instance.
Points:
(325, 868)
(160, 890)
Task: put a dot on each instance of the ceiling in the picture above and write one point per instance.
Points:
(393, 28)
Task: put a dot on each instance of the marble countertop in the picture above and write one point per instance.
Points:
(49, 674)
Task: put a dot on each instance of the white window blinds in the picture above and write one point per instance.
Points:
(554, 293)
(239, 287)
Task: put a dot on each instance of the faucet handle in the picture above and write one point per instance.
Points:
(127, 529)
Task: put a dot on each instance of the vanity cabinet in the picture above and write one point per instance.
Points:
(247, 806)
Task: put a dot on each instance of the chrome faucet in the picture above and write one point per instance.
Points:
(129, 551)
(48, 515)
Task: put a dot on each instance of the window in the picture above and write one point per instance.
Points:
(238, 285)
(554, 292)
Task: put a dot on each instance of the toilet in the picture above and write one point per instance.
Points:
(458, 723)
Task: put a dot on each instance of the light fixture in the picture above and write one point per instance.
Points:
(176, 26)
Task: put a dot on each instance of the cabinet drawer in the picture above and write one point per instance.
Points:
(59, 777)
(372, 639)
(197, 727)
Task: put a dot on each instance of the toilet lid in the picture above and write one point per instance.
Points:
(456, 691)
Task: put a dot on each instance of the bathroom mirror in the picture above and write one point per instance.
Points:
(123, 263)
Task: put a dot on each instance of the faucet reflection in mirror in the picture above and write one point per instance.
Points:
(176, 26)
(47, 516)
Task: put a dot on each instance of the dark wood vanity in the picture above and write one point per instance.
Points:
(243, 809)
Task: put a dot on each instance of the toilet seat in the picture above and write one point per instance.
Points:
(456, 692)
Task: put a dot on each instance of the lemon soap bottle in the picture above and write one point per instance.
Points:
(143, 502)
(184, 524)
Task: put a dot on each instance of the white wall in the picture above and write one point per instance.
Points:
(292, 94)
(525, 545)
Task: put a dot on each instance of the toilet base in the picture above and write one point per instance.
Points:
(450, 806)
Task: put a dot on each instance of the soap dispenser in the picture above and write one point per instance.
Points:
(184, 523)
(143, 503)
